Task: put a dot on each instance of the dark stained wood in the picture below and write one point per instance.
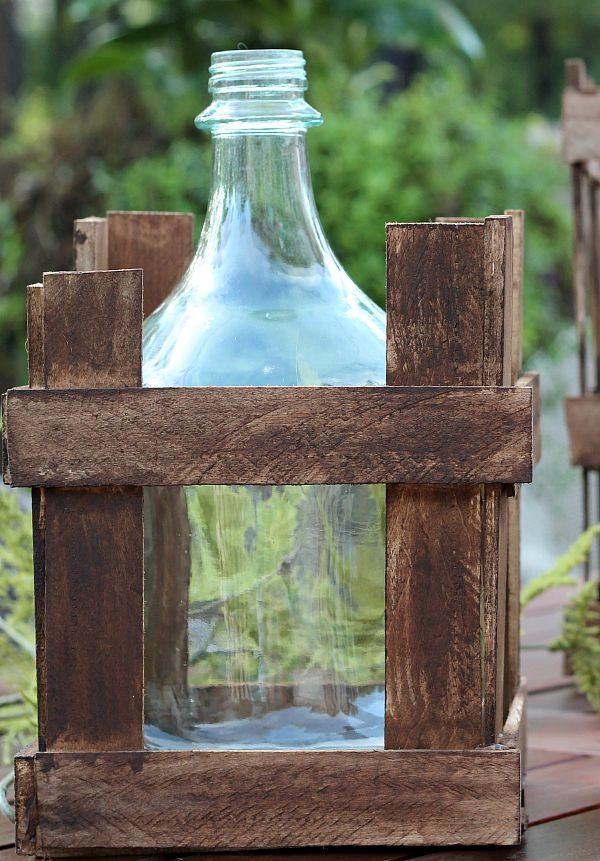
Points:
(166, 601)
(449, 322)
(497, 370)
(160, 243)
(90, 245)
(88, 543)
(433, 666)
(263, 435)
(107, 351)
(94, 561)
(262, 799)
(583, 418)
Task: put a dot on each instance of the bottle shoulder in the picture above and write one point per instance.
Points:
(299, 331)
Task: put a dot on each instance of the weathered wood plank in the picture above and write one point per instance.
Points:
(583, 419)
(25, 802)
(263, 435)
(580, 125)
(85, 329)
(497, 370)
(160, 243)
(449, 317)
(513, 582)
(261, 799)
(90, 245)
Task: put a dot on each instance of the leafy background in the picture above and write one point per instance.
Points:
(432, 107)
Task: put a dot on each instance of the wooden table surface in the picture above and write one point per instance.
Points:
(563, 770)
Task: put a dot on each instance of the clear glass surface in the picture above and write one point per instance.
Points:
(281, 588)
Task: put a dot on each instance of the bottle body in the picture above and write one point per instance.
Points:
(281, 588)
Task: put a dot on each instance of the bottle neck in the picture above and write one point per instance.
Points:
(262, 210)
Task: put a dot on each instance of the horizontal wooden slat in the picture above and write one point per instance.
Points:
(269, 436)
(583, 419)
(192, 800)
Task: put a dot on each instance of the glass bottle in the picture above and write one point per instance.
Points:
(265, 605)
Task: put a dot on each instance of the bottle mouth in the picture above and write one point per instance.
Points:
(268, 70)
(263, 89)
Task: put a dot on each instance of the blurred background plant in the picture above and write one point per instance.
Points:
(432, 107)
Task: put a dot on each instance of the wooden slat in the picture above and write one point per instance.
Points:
(85, 330)
(160, 243)
(90, 245)
(580, 125)
(513, 582)
(583, 419)
(237, 800)
(449, 317)
(263, 435)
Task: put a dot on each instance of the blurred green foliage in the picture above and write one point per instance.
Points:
(18, 713)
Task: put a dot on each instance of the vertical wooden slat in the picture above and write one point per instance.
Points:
(433, 578)
(85, 331)
(448, 320)
(90, 245)
(160, 243)
(580, 276)
(497, 367)
(513, 590)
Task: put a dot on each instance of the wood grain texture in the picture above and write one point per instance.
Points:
(107, 351)
(531, 380)
(90, 245)
(583, 419)
(160, 243)
(274, 799)
(513, 515)
(449, 322)
(518, 267)
(263, 435)
(433, 656)
(85, 329)
(25, 803)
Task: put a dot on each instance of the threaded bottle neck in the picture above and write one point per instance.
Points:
(258, 91)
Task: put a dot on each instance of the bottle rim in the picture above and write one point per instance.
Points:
(259, 89)
(278, 68)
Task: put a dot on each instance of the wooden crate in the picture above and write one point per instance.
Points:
(451, 433)
(581, 151)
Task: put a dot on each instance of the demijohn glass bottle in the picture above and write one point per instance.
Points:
(264, 605)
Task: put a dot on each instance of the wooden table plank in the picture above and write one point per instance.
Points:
(543, 670)
(574, 838)
(563, 788)
(564, 730)
(539, 758)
